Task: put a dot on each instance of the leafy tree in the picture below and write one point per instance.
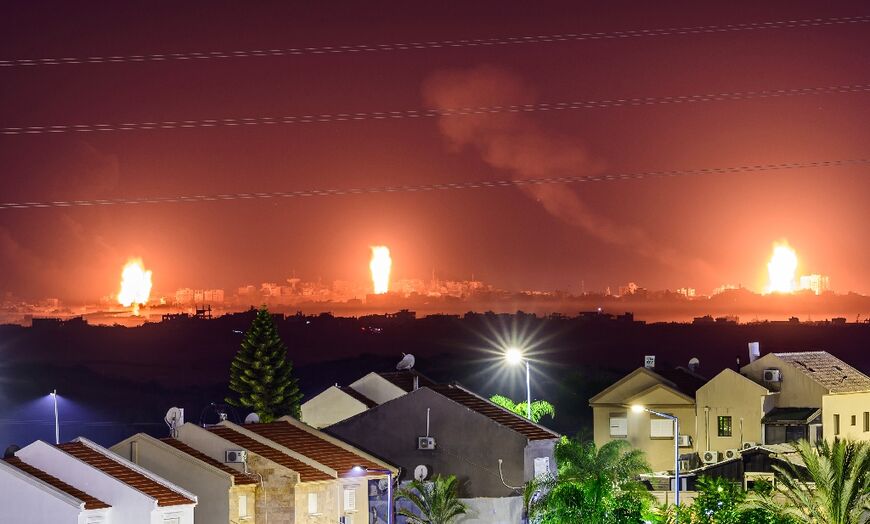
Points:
(835, 489)
(261, 375)
(594, 485)
(539, 407)
(436, 501)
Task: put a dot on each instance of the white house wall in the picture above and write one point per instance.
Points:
(329, 407)
(25, 500)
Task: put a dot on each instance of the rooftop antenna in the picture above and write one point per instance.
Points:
(407, 362)
(174, 418)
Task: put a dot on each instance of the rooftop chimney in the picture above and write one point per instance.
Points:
(754, 351)
(416, 382)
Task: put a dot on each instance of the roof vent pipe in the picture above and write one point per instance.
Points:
(416, 382)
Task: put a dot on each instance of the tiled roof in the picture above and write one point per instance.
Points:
(500, 415)
(90, 501)
(164, 495)
(239, 477)
(828, 370)
(802, 415)
(286, 434)
(405, 379)
(306, 473)
(369, 403)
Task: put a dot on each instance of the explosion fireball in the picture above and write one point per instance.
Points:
(380, 266)
(135, 285)
(781, 269)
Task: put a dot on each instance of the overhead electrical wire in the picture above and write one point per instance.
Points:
(448, 186)
(439, 44)
(431, 113)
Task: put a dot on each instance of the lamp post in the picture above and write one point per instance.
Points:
(389, 488)
(56, 424)
(515, 356)
(639, 409)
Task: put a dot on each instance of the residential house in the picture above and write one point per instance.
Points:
(100, 479)
(815, 395)
(226, 495)
(305, 475)
(445, 429)
(669, 391)
(730, 410)
(32, 496)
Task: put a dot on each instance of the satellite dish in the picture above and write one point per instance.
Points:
(694, 364)
(252, 418)
(10, 451)
(407, 362)
(421, 472)
(174, 418)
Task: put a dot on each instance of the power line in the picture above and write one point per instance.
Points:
(439, 44)
(431, 113)
(420, 188)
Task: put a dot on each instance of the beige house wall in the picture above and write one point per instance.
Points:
(275, 502)
(846, 405)
(730, 394)
(377, 388)
(329, 407)
(796, 390)
(249, 491)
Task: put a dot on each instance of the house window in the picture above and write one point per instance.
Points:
(312, 503)
(542, 466)
(618, 425)
(854, 420)
(867, 421)
(172, 520)
(243, 506)
(350, 499)
(724, 426)
(661, 427)
(836, 424)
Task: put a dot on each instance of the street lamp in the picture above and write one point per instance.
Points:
(514, 356)
(637, 408)
(389, 487)
(56, 424)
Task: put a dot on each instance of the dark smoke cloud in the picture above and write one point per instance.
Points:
(513, 142)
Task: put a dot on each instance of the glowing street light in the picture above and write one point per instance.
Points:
(514, 356)
(53, 395)
(637, 408)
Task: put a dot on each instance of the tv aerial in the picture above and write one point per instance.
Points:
(407, 362)
(174, 418)
(252, 418)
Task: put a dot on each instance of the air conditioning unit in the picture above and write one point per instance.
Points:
(747, 445)
(684, 441)
(710, 457)
(235, 456)
(772, 375)
(425, 442)
(731, 453)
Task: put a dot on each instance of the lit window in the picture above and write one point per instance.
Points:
(724, 426)
(350, 499)
(243, 506)
(312, 503)
(661, 427)
(618, 425)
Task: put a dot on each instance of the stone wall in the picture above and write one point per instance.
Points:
(250, 492)
(328, 502)
(275, 501)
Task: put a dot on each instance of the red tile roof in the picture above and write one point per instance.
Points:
(306, 473)
(163, 494)
(316, 448)
(90, 501)
(239, 477)
(498, 414)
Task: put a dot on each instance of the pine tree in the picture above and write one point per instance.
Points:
(261, 375)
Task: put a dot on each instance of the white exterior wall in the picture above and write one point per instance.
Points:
(330, 407)
(129, 506)
(26, 500)
(377, 388)
(210, 485)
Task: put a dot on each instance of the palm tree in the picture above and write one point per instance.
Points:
(595, 485)
(539, 407)
(437, 501)
(834, 489)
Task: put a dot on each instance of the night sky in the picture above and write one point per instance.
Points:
(662, 233)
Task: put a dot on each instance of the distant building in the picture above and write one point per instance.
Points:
(725, 287)
(184, 296)
(629, 289)
(818, 284)
(688, 292)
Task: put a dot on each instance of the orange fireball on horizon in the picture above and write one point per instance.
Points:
(135, 285)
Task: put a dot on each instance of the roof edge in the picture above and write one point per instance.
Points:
(175, 451)
(287, 451)
(30, 479)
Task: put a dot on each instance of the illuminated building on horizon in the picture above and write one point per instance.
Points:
(816, 283)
